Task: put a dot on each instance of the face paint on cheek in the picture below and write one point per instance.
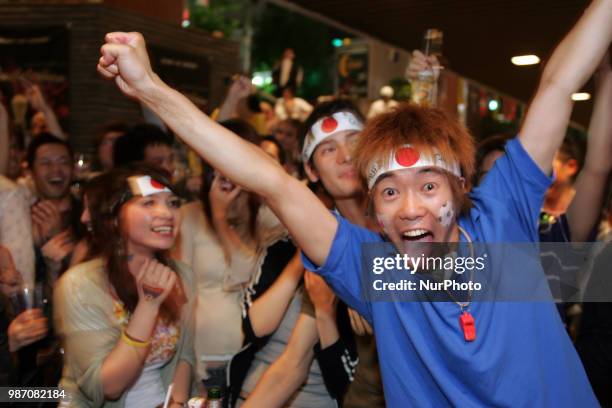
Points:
(446, 214)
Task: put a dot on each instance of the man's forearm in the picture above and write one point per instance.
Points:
(53, 124)
(570, 65)
(217, 145)
(576, 57)
(279, 382)
(268, 310)
(327, 327)
(599, 148)
(228, 108)
(583, 213)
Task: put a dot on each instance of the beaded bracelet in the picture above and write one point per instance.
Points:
(133, 342)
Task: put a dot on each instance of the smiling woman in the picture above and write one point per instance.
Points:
(125, 316)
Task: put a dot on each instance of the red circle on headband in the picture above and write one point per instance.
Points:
(407, 156)
(329, 125)
(157, 185)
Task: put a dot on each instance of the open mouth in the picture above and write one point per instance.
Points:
(417, 242)
(56, 181)
(165, 230)
(417, 235)
(226, 185)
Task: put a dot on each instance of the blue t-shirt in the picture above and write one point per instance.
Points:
(522, 355)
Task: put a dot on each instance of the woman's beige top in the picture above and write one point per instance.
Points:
(85, 318)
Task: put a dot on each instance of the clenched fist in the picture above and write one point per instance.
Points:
(125, 59)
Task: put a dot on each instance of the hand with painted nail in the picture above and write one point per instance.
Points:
(154, 281)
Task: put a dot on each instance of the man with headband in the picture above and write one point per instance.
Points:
(519, 354)
(331, 132)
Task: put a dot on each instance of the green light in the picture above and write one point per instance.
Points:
(337, 42)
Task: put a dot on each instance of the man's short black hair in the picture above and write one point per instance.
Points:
(494, 143)
(130, 148)
(43, 139)
(573, 147)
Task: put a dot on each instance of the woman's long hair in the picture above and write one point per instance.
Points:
(109, 242)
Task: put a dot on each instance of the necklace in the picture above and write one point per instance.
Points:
(466, 320)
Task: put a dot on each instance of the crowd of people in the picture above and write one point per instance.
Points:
(135, 287)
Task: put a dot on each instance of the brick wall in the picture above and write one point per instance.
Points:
(94, 101)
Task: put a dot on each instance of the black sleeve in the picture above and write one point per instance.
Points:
(339, 361)
(277, 257)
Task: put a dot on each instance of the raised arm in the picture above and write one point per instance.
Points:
(240, 89)
(267, 312)
(569, 67)
(583, 213)
(38, 102)
(125, 60)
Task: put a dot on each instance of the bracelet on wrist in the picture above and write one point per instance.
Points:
(132, 341)
(175, 402)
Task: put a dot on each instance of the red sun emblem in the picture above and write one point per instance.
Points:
(407, 156)
(329, 125)
(157, 185)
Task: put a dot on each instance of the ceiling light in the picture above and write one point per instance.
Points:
(521, 60)
(493, 105)
(581, 96)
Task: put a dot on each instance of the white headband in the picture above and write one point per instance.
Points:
(408, 157)
(326, 127)
(146, 186)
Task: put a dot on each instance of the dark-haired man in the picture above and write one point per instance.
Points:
(55, 212)
(146, 143)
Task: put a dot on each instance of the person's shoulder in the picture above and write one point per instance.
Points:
(85, 275)
(515, 152)
(12, 191)
(347, 228)
(7, 185)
